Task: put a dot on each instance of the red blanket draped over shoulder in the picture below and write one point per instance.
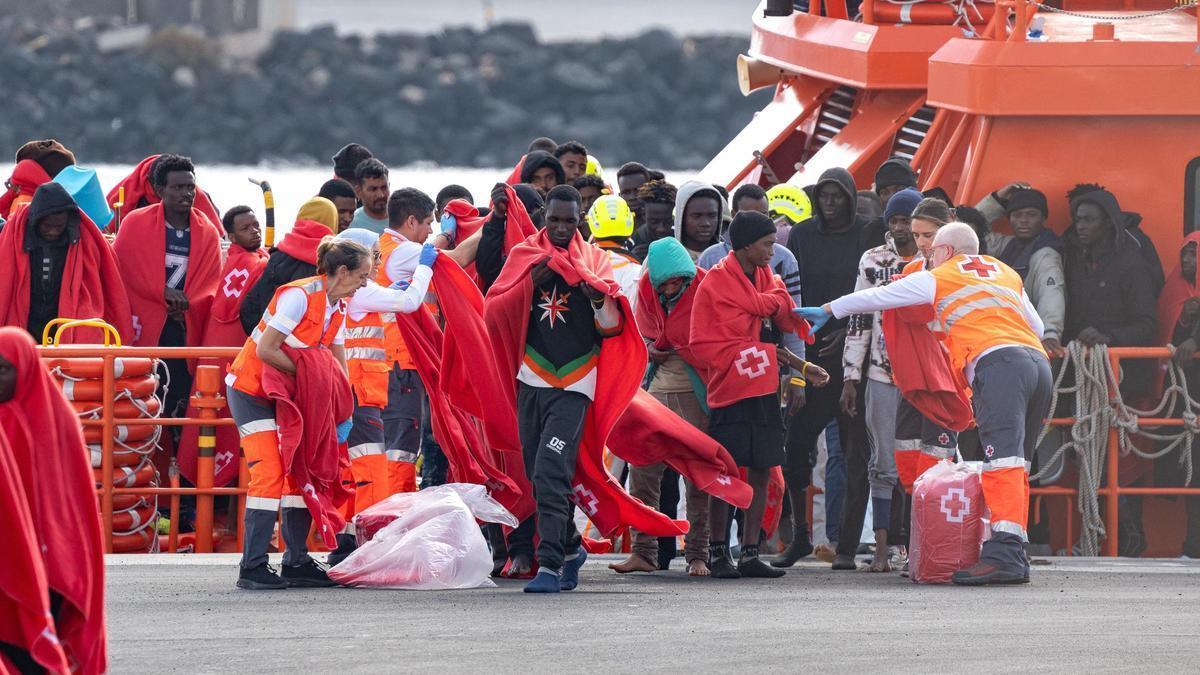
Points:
(308, 417)
(506, 314)
(47, 443)
(518, 225)
(726, 326)
(1175, 292)
(242, 269)
(91, 283)
(921, 369)
(141, 248)
(137, 187)
(27, 175)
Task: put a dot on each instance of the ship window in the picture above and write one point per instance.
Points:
(1191, 197)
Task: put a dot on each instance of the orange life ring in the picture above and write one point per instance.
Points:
(125, 434)
(133, 518)
(93, 390)
(931, 13)
(93, 368)
(134, 542)
(123, 476)
(121, 456)
(124, 408)
(123, 502)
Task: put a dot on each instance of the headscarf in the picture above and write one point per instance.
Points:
(321, 210)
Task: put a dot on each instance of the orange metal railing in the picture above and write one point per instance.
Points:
(208, 399)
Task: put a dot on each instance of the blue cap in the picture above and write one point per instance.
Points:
(84, 187)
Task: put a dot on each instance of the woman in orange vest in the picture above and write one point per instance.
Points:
(993, 334)
(305, 314)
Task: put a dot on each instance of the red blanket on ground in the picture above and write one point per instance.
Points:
(27, 175)
(140, 249)
(25, 619)
(506, 314)
(308, 417)
(242, 269)
(91, 282)
(51, 456)
(137, 187)
(302, 241)
(726, 326)
(922, 371)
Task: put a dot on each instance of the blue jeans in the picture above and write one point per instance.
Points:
(835, 481)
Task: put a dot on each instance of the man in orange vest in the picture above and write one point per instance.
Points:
(993, 334)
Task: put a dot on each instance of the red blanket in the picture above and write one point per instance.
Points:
(725, 328)
(518, 226)
(27, 175)
(922, 370)
(308, 417)
(25, 619)
(670, 331)
(515, 176)
(1175, 292)
(91, 282)
(242, 269)
(302, 241)
(137, 187)
(50, 454)
(140, 249)
(506, 314)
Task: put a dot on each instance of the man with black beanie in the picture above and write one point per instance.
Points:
(347, 159)
(893, 176)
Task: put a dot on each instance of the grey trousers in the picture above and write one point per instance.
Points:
(881, 402)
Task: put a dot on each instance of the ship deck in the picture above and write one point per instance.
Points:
(1177, 26)
(182, 613)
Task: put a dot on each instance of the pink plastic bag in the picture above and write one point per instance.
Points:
(948, 525)
(424, 540)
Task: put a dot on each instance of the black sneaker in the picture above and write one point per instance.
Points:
(309, 575)
(986, 574)
(844, 563)
(346, 546)
(750, 566)
(261, 578)
(720, 565)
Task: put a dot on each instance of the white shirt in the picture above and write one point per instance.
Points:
(627, 275)
(290, 309)
(920, 288)
(376, 298)
(402, 263)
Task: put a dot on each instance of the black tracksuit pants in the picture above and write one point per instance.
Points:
(550, 422)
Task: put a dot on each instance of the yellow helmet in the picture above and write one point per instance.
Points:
(610, 218)
(593, 167)
(789, 201)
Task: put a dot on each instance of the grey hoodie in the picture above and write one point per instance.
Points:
(684, 195)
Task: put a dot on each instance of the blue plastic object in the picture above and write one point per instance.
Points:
(84, 186)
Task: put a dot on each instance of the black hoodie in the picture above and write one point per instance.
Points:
(48, 259)
(539, 159)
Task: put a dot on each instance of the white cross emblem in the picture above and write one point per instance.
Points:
(752, 362)
(235, 283)
(137, 328)
(586, 499)
(955, 504)
(724, 479)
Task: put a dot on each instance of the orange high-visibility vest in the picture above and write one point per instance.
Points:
(247, 368)
(978, 302)
(366, 358)
(397, 351)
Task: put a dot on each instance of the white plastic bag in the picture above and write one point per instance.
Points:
(424, 540)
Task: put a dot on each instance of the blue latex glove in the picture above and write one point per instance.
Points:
(399, 285)
(817, 316)
(429, 253)
(449, 225)
(343, 430)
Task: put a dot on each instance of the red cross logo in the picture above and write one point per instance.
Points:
(955, 504)
(235, 283)
(976, 266)
(752, 362)
(586, 499)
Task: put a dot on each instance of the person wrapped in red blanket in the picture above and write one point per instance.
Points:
(47, 445)
(243, 266)
(739, 305)
(564, 336)
(140, 191)
(53, 234)
(38, 162)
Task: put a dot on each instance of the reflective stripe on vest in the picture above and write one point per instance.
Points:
(389, 241)
(367, 359)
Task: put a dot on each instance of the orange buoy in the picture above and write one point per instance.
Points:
(134, 517)
(93, 368)
(931, 14)
(121, 456)
(123, 408)
(93, 390)
(124, 502)
(124, 476)
(121, 433)
(134, 542)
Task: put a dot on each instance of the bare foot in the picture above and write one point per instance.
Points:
(880, 564)
(520, 566)
(697, 568)
(634, 563)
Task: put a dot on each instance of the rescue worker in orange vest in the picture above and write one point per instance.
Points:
(410, 222)
(304, 314)
(993, 334)
(370, 309)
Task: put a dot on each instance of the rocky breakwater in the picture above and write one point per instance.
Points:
(460, 98)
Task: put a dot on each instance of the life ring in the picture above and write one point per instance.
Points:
(93, 368)
(124, 408)
(93, 390)
(123, 476)
(932, 13)
(124, 502)
(131, 519)
(121, 456)
(140, 541)
(122, 433)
